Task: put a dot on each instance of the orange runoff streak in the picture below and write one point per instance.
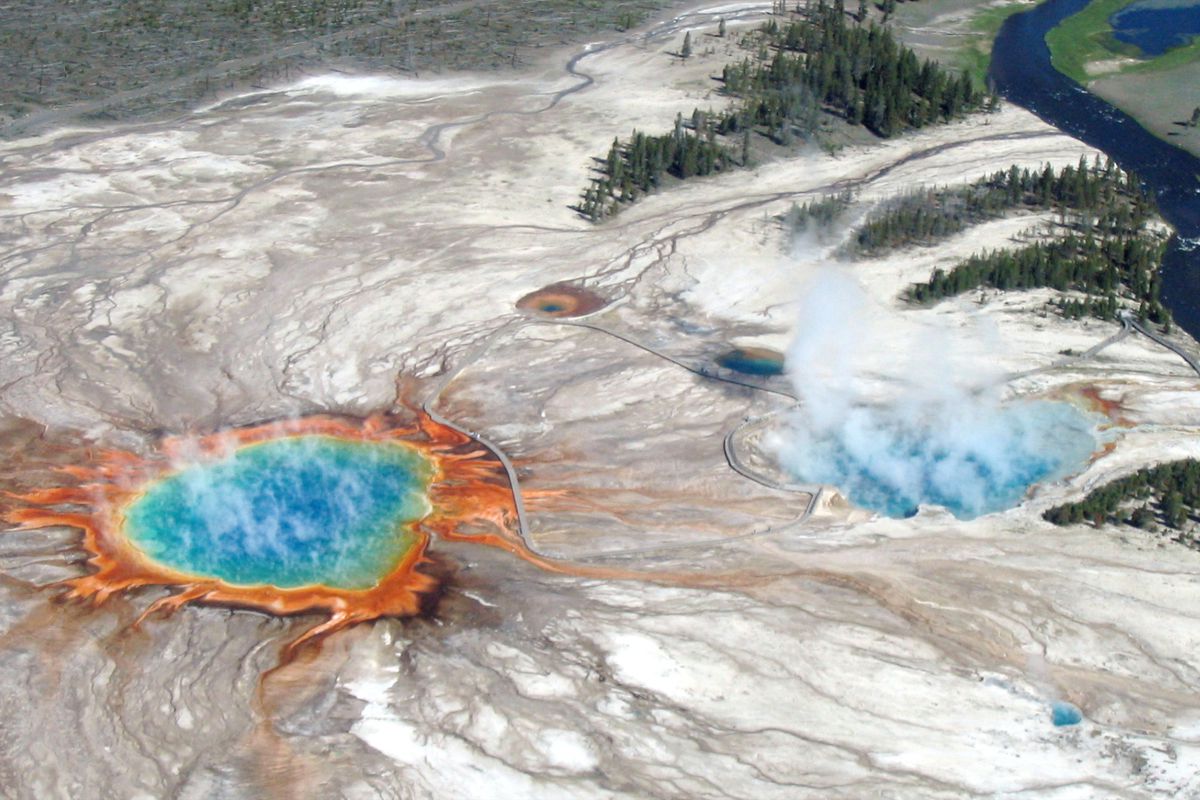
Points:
(468, 490)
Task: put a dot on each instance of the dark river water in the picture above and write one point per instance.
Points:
(1023, 74)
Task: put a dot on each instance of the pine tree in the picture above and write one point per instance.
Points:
(804, 66)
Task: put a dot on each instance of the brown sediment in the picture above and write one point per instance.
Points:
(1102, 405)
(562, 300)
(1107, 449)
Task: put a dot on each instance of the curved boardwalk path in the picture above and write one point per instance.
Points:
(1130, 321)
(515, 325)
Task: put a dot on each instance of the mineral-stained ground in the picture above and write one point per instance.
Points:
(327, 245)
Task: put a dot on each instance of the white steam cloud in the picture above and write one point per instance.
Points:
(897, 414)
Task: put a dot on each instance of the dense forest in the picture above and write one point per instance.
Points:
(821, 63)
(1095, 198)
(1167, 495)
(1097, 265)
(858, 71)
(633, 168)
(1109, 254)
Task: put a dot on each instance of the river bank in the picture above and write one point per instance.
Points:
(1023, 73)
(1159, 91)
(317, 245)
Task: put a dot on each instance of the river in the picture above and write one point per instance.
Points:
(1023, 74)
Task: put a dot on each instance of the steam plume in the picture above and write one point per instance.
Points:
(898, 414)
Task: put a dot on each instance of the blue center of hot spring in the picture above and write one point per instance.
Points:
(747, 364)
(290, 512)
(971, 464)
(1063, 714)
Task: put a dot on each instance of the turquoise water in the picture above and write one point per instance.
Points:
(747, 364)
(971, 460)
(1156, 27)
(289, 512)
(1062, 714)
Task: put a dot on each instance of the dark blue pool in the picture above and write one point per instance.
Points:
(1155, 27)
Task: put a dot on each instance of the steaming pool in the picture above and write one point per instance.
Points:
(298, 511)
(968, 462)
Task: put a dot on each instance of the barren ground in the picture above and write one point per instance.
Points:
(1162, 101)
(296, 250)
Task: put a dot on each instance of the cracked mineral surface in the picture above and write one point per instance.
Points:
(305, 249)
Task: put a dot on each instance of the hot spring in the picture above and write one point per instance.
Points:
(561, 300)
(898, 409)
(757, 361)
(1065, 714)
(321, 514)
(289, 512)
(973, 460)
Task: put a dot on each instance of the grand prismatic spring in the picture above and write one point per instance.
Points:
(535, 453)
(319, 514)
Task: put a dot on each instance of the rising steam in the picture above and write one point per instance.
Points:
(897, 414)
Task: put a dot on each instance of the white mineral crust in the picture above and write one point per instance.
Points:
(297, 250)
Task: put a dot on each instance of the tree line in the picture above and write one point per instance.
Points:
(638, 166)
(169, 53)
(1100, 198)
(818, 214)
(1105, 266)
(1109, 254)
(822, 63)
(1167, 494)
(858, 71)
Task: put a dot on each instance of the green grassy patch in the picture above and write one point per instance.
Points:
(1170, 59)
(1087, 37)
(977, 55)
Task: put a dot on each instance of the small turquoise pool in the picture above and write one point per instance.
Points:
(1064, 714)
(753, 361)
(972, 461)
(289, 512)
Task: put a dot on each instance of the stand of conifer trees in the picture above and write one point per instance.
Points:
(820, 63)
(1101, 199)
(634, 168)
(1097, 265)
(858, 71)
(818, 214)
(1109, 253)
(1168, 493)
